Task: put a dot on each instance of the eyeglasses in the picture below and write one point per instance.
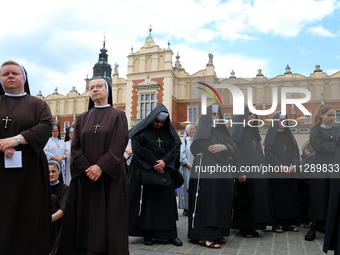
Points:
(214, 114)
(98, 86)
(159, 121)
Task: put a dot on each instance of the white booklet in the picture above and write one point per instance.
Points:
(15, 161)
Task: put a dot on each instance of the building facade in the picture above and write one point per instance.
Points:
(153, 77)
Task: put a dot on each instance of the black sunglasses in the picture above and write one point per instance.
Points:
(159, 121)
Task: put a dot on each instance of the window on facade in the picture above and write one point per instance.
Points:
(309, 116)
(227, 116)
(337, 115)
(193, 114)
(147, 104)
(66, 125)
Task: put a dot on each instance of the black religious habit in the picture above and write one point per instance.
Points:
(210, 195)
(281, 150)
(59, 196)
(255, 211)
(153, 209)
(323, 142)
(332, 233)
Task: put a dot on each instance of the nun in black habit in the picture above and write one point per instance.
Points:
(332, 233)
(210, 194)
(153, 209)
(281, 150)
(254, 212)
(323, 137)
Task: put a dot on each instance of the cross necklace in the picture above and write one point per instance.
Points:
(159, 141)
(98, 126)
(56, 143)
(7, 114)
(254, 143)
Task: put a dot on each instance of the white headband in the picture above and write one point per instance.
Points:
(55, 162)
(215, 108)
(162, 115)
(23, 71)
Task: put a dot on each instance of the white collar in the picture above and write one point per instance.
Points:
(15, 95)
(55, 183)
(325, 127)
(102, 106)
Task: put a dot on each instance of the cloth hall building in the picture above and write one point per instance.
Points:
(154, 77)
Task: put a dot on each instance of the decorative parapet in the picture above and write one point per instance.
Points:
(147, 84)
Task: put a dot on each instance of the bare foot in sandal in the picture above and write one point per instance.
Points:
(209, 244)
(221, 241)
(277, 230)
(290, 228)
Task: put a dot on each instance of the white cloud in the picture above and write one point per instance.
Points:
(59, 43)
(205, 35)
(331, 71)
(287, 18)
(49, 79)
(319, 31)
(242, 65)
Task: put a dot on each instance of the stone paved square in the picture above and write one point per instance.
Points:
(269, 243)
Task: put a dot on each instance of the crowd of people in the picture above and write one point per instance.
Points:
(94, 197)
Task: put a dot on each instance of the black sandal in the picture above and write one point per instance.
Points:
(277, 230)
(255, 233)
(246, 233)
(290, 228)
(212, 245)
(220, 241)
(310, 235)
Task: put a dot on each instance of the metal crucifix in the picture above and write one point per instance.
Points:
(254, 143)
(159, 142)
(96, 127)
(6, 121)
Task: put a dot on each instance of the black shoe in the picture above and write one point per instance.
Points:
(321, 228)
(255, 233)
(310, 235)
(175, 241)
(246, 233)
(147, 241)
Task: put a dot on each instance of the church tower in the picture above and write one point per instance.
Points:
(102, 69)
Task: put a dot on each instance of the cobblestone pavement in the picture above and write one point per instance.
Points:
(269, 243)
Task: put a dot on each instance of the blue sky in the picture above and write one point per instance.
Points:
(59, 44)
